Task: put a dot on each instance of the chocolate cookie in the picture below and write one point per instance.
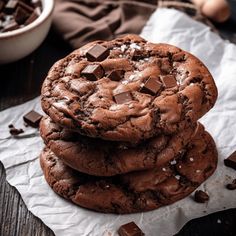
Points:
(137, 191)
(106, 158)
(128, 89)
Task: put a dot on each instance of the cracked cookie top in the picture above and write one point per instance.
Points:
(128, 89)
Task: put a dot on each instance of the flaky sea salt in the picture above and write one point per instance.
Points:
(135, 46)
(173, 162)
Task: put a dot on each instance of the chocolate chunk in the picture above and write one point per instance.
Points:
(93, 72)
(231, 160)
(32, 18)
(201, 196)
(124, 97)
(130, 229)
(10, 6)
(151, 86)
(231, 186)
(32, 118)
(116, 75)
(21, 15)
(26, 7)
(13, 131)
(97, 53)
(169, 81)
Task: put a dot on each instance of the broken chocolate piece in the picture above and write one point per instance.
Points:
(13, 131)
(201, 196)
(231, 186)
(32, 18)
(10, 6)
(32, 118)
(151, 86)
(116, 75)
(124, 97)
(169, 81)
(130, 229)
(93, 72)
(97, 53)
(21, 15)
(231, 160)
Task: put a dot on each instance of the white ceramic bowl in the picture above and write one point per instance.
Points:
(19, 43)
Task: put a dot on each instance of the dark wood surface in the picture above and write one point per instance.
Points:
(21, 81)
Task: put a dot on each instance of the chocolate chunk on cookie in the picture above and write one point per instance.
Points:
(136, 191)
(159, 89)
(106, 158)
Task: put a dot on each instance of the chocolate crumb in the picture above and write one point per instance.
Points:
(13, 131)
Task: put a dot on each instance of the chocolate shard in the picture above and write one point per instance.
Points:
(97, 53)
(26, 6)
(32, 18)
(93, 72)
(231, 160)
(124, 97)
(201, 197)
(10, 6)
(130, 229)
(32, 118)
(151, 86)
(116, 75)
(21, 15)
(168, 81)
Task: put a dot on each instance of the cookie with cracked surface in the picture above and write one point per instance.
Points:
(137, 191)
(128, 89)
(107, 158)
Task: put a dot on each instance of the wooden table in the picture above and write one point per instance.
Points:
(21, 81)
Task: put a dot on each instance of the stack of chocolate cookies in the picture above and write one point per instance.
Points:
(122, 132)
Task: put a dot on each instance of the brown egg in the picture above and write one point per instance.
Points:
(217, 10)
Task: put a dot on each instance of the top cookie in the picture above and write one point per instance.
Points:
(128, 89)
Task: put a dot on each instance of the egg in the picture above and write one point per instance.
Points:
(217, 10)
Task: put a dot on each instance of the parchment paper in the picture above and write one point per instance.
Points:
(20, 155)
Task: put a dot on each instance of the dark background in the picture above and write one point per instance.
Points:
(20, 82)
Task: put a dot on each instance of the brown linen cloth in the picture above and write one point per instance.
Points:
(82, 21)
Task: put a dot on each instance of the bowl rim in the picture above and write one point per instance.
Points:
(48, 6)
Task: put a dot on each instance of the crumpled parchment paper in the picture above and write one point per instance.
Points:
(20, 155)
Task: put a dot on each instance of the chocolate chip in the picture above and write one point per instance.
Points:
(130, 229)
(151, 86)
(32, 118)
(116, 75)
(13, 131)
(231, 186)
(10, 6)
(97, 53)
(124, 97)
(201, 196)
(231, 160)
(169, 81)
(93, 72)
